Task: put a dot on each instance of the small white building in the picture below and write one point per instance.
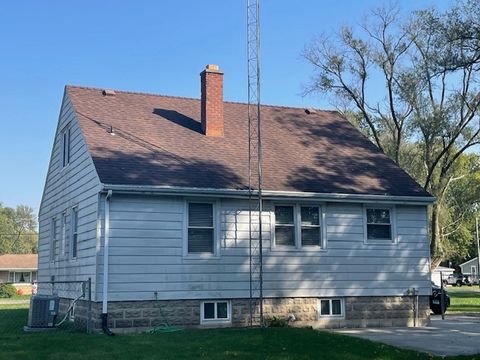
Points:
(441, 272)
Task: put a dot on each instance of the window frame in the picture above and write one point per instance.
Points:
(73, 232)
(63, 232)
(14, 277)
(66, 146)
(53, 240)
(393, 225)
(215, 320)
(330, 315)
(297, 208)
(216, 229)
(294, 226)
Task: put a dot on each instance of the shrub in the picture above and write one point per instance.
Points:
(7, 291)
(276, 322)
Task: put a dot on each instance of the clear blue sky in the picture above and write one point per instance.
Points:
(149, 46)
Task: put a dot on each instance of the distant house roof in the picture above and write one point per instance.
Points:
(19, 262)
(469, 261)
(158, 142)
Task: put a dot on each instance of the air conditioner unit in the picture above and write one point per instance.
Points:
(43, 311)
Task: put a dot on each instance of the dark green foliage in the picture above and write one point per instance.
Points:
(7, 291)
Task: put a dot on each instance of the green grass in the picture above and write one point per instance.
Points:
(272, 343)
(465, 299)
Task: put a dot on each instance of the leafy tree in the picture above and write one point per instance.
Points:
(427, 115)
(18, 230)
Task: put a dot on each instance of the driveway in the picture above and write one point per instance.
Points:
(456, 335)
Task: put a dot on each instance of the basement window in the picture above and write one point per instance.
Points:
(331, 308)
(213, 312)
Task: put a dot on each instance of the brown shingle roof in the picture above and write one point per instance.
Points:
(18, 261)
(158, 141)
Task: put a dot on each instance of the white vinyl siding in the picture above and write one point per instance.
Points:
(148, 240)
(74, 185)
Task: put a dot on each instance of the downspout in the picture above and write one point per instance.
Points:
(105, 328)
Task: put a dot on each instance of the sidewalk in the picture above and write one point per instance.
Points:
(456, 335)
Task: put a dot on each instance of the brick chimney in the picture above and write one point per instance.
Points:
(212, 100)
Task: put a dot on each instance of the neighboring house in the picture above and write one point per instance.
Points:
(161, 183)
(441, 272)
(470, 267)
(19, 270)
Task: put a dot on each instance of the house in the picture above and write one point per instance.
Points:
(19, 270)
(470, 267)
(441, 272)
(147, 196)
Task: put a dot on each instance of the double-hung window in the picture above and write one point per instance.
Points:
(310, 225)
(285, 225)
(201, 228)
(53, 240)
(74, 225)
(379, 224)
(298, 226)
(66, 147)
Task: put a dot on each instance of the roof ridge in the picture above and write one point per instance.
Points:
(192, 98)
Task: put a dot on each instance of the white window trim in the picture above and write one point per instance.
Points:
(298, 228)
(216, 230)
(70, 250)
(204, 321)
(32, 280)
(331, 316)
(66, 130)
(473, 270)
(63, 231)
(393, 224)
(53, 239)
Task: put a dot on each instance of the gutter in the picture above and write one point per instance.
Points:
(269, 194)
(105, 328)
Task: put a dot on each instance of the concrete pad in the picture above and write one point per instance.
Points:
(456, 335)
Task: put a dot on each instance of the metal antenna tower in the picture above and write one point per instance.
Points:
(255, 206)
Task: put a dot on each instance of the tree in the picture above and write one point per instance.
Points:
(427, 115)
(18, 230)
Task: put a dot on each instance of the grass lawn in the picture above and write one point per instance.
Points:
(272, 343)
(464, 299)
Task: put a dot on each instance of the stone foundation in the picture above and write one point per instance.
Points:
(358, 312)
